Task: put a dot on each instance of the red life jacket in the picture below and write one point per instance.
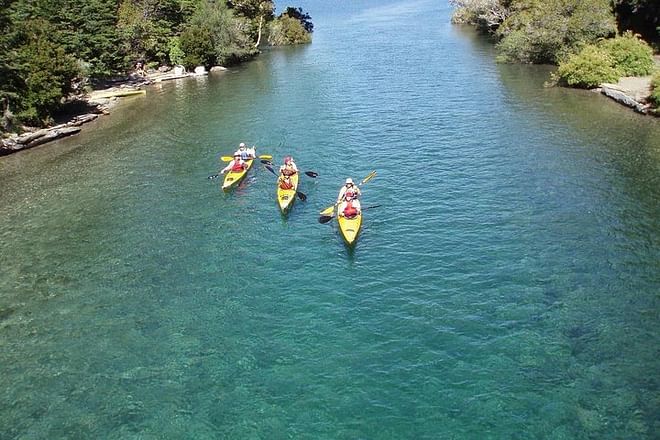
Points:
(284, 184)
(237, 166)
(349, 210)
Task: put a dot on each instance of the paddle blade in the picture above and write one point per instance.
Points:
(265, 156)
(370, 176)
(226, 158)
(327, 211)
(325, 218)
(301, 196)
(267, 162)
(312, 174)
(269, 168)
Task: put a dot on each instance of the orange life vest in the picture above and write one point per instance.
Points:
(349, 210)
(237, 166)
(286, 184)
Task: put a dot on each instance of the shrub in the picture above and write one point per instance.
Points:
(286, 30)
(543, 31)
(655, 89)
(632, 56)
(587, 69)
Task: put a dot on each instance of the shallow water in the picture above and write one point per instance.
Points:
(506, 288)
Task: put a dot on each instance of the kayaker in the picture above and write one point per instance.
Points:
(245, 152)
(289, 168)
(285, 182)
(349, 188)
(350, 207)
(236, 165)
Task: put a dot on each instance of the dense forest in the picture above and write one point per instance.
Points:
(592, 41)
(50, 49)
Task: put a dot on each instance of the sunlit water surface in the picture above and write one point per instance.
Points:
(507, 286)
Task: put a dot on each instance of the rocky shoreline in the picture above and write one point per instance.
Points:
(98, 102)
(632, 92)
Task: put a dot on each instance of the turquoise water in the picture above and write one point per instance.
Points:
(507, 286)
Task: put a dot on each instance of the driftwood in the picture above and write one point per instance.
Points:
(32, 139)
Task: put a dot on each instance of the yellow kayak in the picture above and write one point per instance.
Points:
(349, 227)
(285, 197)
(233, 177)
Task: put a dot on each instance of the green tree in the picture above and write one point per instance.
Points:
(285, 30)
(215, 35)
(546, 31)
(47, 72)
(85, 29)
(146, 26)
(257, 12)
(303, 17)
(8, 75)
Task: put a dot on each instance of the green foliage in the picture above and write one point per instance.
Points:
(303, 17)
(253, 9)
(47, 73)
(286, 30)
(146, 26)
(589, 68)
(537, 31)
(215, 35)
(655, 89)
(632, 56)
(253, 14)
(177, 55)
(46, 44)
(197, 44)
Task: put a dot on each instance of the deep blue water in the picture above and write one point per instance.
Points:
(506, 288)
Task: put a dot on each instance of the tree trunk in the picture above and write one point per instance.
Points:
(261, 22)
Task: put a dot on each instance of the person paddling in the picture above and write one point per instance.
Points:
(285, 182)
(289, 168)
(236, 165)
(349, 205)
(245, 152)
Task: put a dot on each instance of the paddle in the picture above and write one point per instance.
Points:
(330, 210)
(326, 218)
(313, 174)
(230, 158)
(300, 195)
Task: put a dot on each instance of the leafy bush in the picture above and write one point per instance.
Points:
(197, 45)
(589, 68)
(177, 55)
(545, 31)
(655, 89)
(632, 56)
(286, 30)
